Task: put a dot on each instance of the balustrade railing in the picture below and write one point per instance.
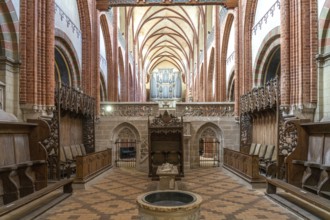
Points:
(231, 57)
(206, 109)
(67, 19)
(129, 109)
(264, 18)
(196, 109)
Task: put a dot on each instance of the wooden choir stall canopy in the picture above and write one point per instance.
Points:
(166, 143)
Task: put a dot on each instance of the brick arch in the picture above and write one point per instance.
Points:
(112, 89)
(64, 44)
(270, 42)
(324, 22)
(246, 70)
(85, 25)
(223, 54)
(9, 27)
(210, 77)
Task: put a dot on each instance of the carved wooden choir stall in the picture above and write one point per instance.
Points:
(166, 143)
(71, 144)
(23, 164)
(303, 168)
(258, 121)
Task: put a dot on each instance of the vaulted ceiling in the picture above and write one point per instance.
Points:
(165, 35)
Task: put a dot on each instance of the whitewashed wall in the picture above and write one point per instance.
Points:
(67, 20)
(230, 61)
(320, 4)
(16, 4)
(323, 105)
(267, 25)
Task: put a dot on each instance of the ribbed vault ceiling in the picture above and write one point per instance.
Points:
(165, 35)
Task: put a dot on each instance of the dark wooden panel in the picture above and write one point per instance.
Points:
(22, 150)
(326, 153)
(315, 148)
(7, 156)
(71, 130)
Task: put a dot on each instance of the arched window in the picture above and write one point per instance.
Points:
(62, 69)
(103, 91)
(272, 66)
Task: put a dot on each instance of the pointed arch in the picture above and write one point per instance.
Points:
(64, 46)
(201, 131)
(324, 30)
(270, 43)
(223, 54)
(246, 73)
(111, 76)
(9, 27)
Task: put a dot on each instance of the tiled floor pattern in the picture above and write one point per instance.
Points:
(113, 197)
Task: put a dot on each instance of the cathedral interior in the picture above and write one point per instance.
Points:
(98, 96)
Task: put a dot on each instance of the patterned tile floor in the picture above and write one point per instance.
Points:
(113, 197)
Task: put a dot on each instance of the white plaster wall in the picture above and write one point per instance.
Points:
(231, 48)
(16, 4)
(320, 4)
(103, 63)
(67, 23)
(272, 22)
(323, 108)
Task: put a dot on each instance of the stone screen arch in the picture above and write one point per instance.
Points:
(207, 149)
(127, 147)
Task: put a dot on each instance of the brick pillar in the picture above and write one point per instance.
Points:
(126, 62)
(37, 38)
(115, 52)
(96, 79)
(237, 63)
(300, 45)
(217, 64)
(205, 72)
(285, 52)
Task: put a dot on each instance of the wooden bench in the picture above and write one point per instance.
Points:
(92, 164)
(251, 164)
(244, 165)
(309, 197)
(67, 189)
(68, 155)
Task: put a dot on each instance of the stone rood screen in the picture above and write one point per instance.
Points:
(106, 4)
